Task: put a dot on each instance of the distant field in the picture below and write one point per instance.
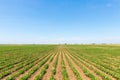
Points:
(59, 62)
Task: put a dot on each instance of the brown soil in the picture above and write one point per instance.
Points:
(101, 71)
(60, 50)
(92, 72)
(69, 71)
(18, 78)
(58, 75)
(36, 73)
(82, 75)
(48, 71)
(4, 78)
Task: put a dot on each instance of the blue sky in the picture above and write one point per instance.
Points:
(59, 21)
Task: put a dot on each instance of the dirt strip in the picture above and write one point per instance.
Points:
(82, 75)
(48, 71)
(69, 71)
(58, 75)
(37, 72)
(92, 72)
(100, 71)
(18, 78)
(4, 78)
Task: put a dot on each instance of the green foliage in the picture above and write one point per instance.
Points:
(77, 75)
(103, 60)
(64, 72)
(53, 71)
(20, 58)
(42, 72)
(103, 57)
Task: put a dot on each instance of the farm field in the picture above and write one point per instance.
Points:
(59, 62)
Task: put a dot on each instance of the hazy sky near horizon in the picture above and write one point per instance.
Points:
(59, 21)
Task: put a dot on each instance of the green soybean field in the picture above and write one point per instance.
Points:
(60, 62)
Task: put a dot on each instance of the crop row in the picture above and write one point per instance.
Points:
(23, 67)
(64, 72)
(77, 75)
(99, 65)
(25, 77)
(53, 71)
(103, 76)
